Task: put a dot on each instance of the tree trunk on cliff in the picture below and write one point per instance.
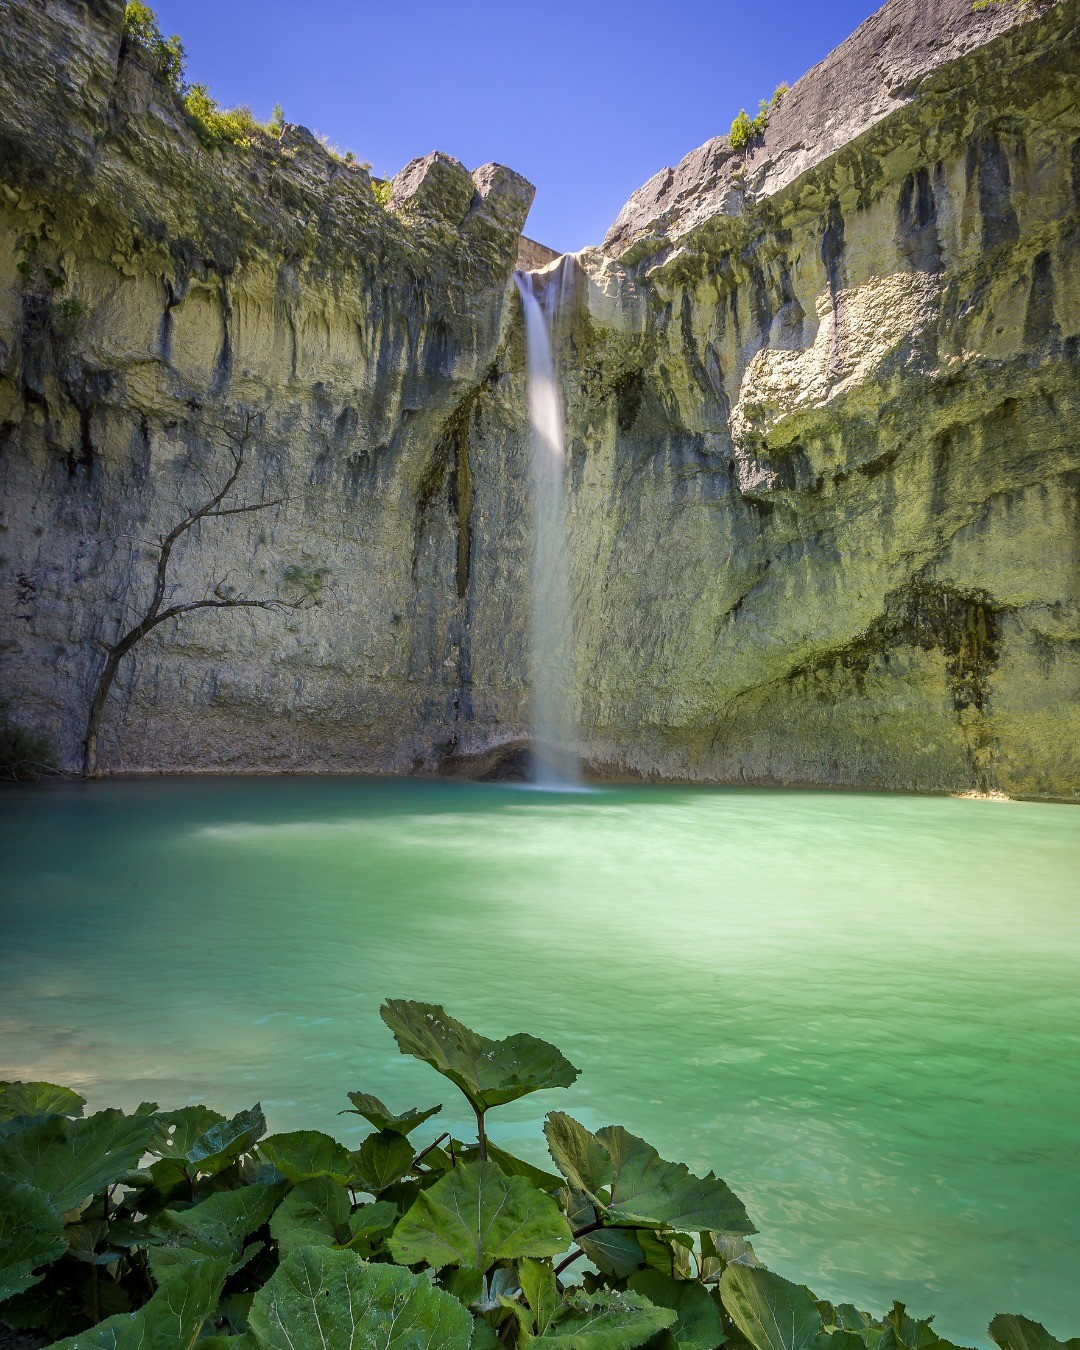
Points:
(156, 614)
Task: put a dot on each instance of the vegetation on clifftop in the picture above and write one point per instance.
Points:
(171, 1227)
(215, 126)
(744, 129)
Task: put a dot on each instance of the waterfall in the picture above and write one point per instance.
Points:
(554, 734)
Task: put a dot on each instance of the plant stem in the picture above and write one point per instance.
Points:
(568, 1262)
(424, 1152)
(589, 1228)
(481, 1136)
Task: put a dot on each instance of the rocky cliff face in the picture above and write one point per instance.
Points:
(822, 400)
(152, 294)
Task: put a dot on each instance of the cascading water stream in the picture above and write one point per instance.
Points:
(555, 762)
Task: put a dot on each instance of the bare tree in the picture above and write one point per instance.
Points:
(158, 612)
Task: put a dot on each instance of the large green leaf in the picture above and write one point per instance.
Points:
(476, 1215)
(667, 1251)
(541, 1291)
(31, 1235)
(607, 1319)
(697, 1323)
(628, 1179)
(72, 1159)
(320, 1299)
(369, 1224)
(177, 1132)
(488, 1072)
(214, 1229)
(227, 1140)
(1013, 1332)
(771, 1312)
(578, 1153)
(38, 1099)
(381, 1160)
(377, 1113)
(303, 1154)
(313, 1214)
(172, 1320)
(904, 1332)
(719, 1250)
(848, 1327)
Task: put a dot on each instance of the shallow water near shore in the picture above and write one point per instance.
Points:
(862, 1010)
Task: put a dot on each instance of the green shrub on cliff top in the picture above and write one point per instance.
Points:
(167, 1228)
(744, 129)
(167, 55)
(214, 125)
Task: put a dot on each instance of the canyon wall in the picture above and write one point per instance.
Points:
(822, 406)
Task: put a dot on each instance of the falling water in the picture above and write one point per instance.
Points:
(554, 756)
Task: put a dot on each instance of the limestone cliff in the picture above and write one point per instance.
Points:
(152, 292)
(822, 400)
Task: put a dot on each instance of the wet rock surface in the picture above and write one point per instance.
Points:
(822, 399)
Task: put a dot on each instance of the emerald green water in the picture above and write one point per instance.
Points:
(862, 1010)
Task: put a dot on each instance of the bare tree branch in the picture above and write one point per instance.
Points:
(239, 510)
(157, 613)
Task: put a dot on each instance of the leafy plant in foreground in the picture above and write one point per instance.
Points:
(167, 1228)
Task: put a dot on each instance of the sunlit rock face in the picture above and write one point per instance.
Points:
(823, 404)
(151, 293)
(822, 399)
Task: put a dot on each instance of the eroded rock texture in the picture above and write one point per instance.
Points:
(823, 412)
(151, 293)
(824, 429)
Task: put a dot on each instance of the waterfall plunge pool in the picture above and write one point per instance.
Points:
(862, 1010)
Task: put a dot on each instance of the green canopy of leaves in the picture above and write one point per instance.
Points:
(214, 1229)
(381, 1160)
(38, 1099)
(227, 1140)
(71, 1159)
(172, 1320)
(697, 1324)
(313, 1214)
(177, 1132)
(235, 1243)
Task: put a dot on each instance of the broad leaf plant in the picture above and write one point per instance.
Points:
(164, 1229)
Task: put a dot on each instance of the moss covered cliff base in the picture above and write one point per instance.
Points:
(823, 405)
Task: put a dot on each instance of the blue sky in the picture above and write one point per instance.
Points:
(586, 99)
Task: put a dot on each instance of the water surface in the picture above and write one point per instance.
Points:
(862, 1010)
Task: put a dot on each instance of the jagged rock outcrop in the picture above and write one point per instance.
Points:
(822, 400)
